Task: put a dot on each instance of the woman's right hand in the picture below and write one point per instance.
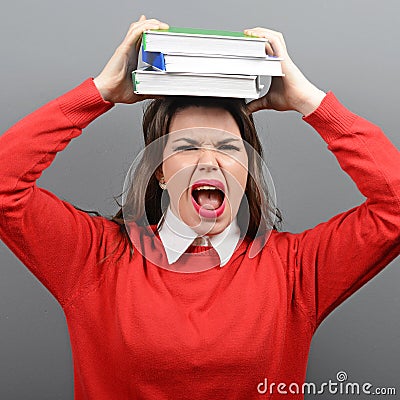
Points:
(293, 91)
(115, 81)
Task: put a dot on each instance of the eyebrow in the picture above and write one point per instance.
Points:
(191, 141)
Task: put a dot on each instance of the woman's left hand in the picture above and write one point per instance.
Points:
(290, 92)
(115, 80)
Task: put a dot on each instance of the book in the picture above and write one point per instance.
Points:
(203, 41)
(148, 81)
(211, 64)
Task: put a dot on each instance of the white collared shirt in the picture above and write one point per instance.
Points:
(176, 237)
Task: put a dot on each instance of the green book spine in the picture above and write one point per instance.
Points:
(135, 81)
(195, 31)
(208, 32)
(144, 40)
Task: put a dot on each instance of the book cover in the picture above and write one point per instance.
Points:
(212, 64)
(148, 81)
(202, 32)
(154, 58)
(204, 41)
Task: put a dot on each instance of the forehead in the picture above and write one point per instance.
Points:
(203, 135)
(206, 117)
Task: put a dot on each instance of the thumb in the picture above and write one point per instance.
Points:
(257, 105)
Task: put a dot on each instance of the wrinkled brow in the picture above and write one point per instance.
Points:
(220, 142)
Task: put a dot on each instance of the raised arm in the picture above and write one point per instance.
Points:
(329, 262)
(48, 235)
(337, 257)
(58, 243)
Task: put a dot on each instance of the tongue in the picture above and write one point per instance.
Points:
(210, 199)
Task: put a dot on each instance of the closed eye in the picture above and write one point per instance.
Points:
(225, 147)
(228, 147)
(184, 148)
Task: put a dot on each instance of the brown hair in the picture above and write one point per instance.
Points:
(156, 122)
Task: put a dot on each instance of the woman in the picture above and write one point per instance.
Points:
(208, 178)
(143, 332)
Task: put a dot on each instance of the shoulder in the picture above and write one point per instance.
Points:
(279, 246)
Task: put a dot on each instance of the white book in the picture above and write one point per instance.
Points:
(191, 84)
(212, 64)
(203, 41)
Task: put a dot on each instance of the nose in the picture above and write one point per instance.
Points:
(207, 160)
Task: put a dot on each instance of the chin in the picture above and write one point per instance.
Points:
(219, 226)
(206, 226)
(216, 231)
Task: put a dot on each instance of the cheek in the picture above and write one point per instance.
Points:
(177, 173)
(241, 175)
(176, 165)
(170, 167)
(236, 172)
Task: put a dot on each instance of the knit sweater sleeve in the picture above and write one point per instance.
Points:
(337, 257)
(58, 243)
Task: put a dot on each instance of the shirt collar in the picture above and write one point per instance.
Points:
(176, 237)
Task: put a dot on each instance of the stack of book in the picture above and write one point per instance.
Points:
(198, 62)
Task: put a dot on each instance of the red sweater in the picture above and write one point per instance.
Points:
(142, 332)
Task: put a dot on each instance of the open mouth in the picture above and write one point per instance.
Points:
(208, 199)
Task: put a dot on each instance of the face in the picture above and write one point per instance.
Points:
(205, 168)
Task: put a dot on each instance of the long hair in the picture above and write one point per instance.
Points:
(261, 213)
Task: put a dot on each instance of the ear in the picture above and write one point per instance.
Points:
(159, 173)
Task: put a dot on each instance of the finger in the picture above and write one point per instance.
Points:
(145, 21)
(268, 49)
(276, 44)
(257, 105)
(260, 32)
(142, 18)
(154, 96)
(141, 26)
(138, 28)
(265, 30)
(268, 46)
(150, 97)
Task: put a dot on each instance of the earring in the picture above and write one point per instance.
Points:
(162, 183)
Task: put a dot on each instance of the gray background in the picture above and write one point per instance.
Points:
(348, 46)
